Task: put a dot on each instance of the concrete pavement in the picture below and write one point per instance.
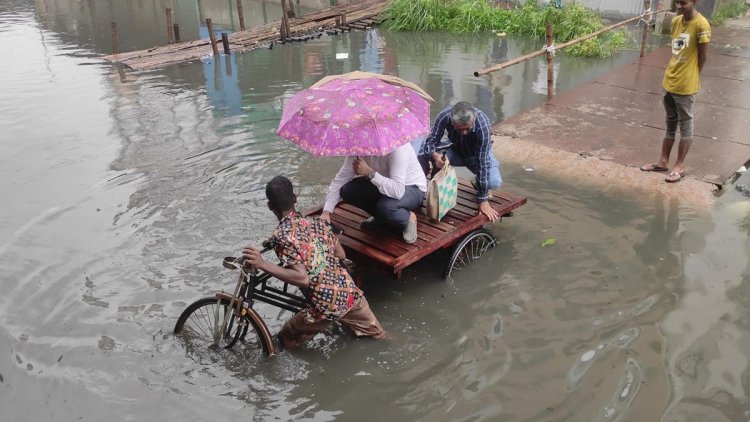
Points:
(607, 128)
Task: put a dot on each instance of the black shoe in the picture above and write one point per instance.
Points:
(369, 223)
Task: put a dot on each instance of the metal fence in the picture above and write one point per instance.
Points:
(612, 9)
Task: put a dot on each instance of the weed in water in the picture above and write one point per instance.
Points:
(471, 16)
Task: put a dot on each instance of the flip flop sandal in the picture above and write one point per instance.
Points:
(675, 177)
(654, 167)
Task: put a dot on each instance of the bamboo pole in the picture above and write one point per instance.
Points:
(176, 33)
(644, 35)
(241, 15)
(170, 39)
(550, 62)
(225, 42)
(530, 56)
(212, 37)
(114, 37)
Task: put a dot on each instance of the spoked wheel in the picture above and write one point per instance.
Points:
(203, 318)
(260, 337)
(468, 250)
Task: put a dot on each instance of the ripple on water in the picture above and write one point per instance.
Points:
(578, 371)
(624, 395)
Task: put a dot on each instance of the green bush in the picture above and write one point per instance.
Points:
(729, 10)
(472, 16)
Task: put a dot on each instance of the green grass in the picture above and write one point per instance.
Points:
(471, 16)
(729, 10)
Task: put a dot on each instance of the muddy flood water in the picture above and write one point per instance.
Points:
(122, 190)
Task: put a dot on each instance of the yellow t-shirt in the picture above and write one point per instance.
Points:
(681, 76)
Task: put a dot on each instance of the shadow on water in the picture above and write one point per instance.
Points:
(128, 188)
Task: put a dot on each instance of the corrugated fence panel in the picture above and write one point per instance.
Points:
(610, 8)
(614, 8)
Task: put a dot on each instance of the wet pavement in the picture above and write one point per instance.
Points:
(619, 117)
(122, 191)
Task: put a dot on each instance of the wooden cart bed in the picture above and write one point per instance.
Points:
(388, 249)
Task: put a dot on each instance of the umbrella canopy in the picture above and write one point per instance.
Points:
(393, 80)
(355, 116)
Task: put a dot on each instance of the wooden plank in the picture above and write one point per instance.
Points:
(381, 241)
(388, 235)
(438, 229)
(466, 187)
(312, 24)
(423, 224)
(471, 225)
(368, 251)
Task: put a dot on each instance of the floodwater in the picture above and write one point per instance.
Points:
(122, 190)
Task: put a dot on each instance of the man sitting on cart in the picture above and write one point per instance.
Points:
(310, 257)
(468, 130)
(389, 188)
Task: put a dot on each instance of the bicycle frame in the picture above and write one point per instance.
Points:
(254, 285)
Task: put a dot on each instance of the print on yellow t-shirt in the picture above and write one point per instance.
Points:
(682, 76)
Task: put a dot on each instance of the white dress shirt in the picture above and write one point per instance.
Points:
(393, 173)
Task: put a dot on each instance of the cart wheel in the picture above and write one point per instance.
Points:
(468, 250)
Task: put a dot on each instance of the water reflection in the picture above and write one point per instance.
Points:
(706, 342)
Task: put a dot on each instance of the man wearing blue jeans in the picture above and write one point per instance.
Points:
(388, 188)
(469, 133)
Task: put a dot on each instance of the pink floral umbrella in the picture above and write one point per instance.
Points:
(354, 117)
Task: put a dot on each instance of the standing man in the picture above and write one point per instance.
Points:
(469, 132)
(310, 257)
(691, 34)
(389, 188)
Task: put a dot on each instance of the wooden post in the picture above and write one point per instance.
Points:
(644, 35)
(284, 30)
(114, 37)
(242, 16)
(170, 40)
(212, 36)
(176, 33)
(225, 42)
(550, 63)
(343, 18)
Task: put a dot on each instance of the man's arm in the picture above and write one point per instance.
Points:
(484, 163)
(484, 166)
(394, 185)
(345, 174)
(702, 56)
(438, 129)
(703, 37)
(339, 253)
(295, 274)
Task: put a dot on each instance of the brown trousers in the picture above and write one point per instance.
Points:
(303, 327)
